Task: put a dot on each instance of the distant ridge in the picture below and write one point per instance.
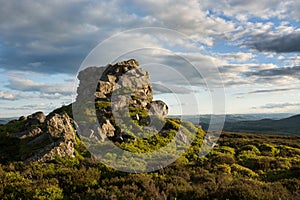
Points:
(5, 120)
(285, 126)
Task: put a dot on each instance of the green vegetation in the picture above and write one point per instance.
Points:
(241, 166)
(11, 128)
(64, 108)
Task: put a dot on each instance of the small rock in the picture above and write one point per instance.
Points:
(30, 133)
(22, 118)
(36, 118)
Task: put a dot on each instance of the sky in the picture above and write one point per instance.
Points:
(230, 56)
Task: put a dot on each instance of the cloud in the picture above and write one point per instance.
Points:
(13, 96)
(268, 91)
(282, 71)
(51, 90)
(266, 9)
(278, 105)
(39, 106)
(237, 57)
(7, 96)
(159, 88)
(279, 43)
(54, 37)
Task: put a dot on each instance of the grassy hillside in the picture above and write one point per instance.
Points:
(242, 166)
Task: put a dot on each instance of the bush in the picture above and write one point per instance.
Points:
(268, 150)
(222, 168)
(239, 170)
(249, 149)
(220, 158)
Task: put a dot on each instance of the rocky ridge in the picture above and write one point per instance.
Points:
(42, 138)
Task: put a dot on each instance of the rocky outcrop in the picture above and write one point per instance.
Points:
(122, 94)
(60, 126)
(47, 137)
(35, 119)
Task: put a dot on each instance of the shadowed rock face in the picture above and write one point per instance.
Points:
(47, 137)
(36, 118)
(122, 92)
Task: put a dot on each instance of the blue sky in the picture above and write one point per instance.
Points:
(254, 45)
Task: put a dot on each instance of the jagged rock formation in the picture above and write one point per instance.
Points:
(42, 138)
(122, 93)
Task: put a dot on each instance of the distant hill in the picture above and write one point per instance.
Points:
(5, 120)
(285, 126)
(278, 123)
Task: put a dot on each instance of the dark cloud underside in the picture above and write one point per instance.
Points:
(281, 44)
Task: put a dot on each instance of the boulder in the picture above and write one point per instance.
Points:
(54, 135)
(60, 126)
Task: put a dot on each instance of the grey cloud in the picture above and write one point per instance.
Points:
(283, 71)
(279, 44)
(268, 91)
(55, 37)
(58, 35)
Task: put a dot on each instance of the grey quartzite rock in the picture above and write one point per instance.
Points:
(124, 85)
(54, 134)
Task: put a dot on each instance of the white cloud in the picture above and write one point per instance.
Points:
(7, 96)
(237, 57)
(26, 85)
(263, 9)
(280, 105)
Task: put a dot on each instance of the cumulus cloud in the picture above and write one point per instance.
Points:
(54, 37)
(51, 90)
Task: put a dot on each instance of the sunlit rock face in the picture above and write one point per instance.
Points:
(122, 94)
(45, 137)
